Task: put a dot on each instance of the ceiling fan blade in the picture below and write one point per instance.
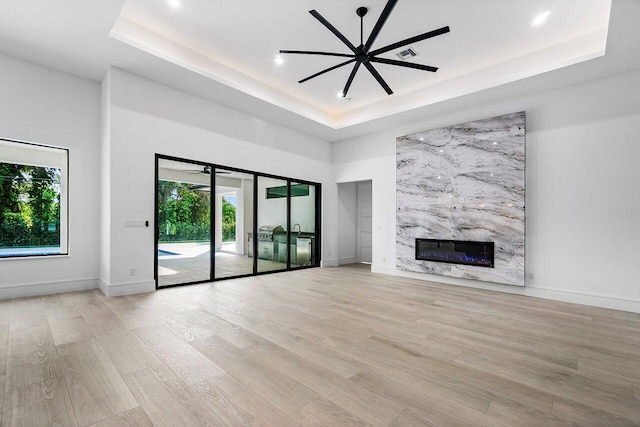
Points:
(350, 79)
(378, 77)
(414, 39)
(381, 21)
(200, 187)
(333, 29)
(309, 52)
(206, 170)
(327, 70)
(404, 64)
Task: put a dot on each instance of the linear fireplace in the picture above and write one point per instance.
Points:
(455, 252)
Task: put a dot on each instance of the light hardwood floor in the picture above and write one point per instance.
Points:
(321, 347)
(188, 270)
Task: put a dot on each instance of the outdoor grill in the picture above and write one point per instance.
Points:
(266, 232)
(269, 236)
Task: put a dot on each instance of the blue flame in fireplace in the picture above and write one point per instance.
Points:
(455, 251)
(454, 257)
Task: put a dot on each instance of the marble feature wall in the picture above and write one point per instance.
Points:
(464, 182)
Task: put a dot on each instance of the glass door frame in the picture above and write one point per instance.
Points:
(212, 251)
(159, 157)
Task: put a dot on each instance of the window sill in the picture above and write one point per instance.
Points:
(24, 257)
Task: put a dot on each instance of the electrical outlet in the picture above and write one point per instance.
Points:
(132, 272)
(530, 276)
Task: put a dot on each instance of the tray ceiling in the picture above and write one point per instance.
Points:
(490, 43)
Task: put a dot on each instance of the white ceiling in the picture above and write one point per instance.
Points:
(224, 51)
(236, 43)
(191, 173)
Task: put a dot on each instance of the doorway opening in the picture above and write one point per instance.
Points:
(355, 224)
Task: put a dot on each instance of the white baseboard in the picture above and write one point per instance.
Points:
(603, 301)
(329, 263)
(47, 288)
(121, 289)
(347, 260)
(623, 304)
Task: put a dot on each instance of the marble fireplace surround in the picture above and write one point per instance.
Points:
(464, 182)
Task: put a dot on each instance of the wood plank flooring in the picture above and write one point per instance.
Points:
(321, 347)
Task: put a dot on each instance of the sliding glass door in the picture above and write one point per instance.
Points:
(233, 223)
(272, 224)
(184, 222)
(303, 231)
(251, 223)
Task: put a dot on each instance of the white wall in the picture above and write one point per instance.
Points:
(303, 211)
(271, 211)
(583, 197)
(582, 174)
(148, 118)
(105, 181)
(48, 107)
(247, 196)
(274, 211)
(240, 219)
(347, 223)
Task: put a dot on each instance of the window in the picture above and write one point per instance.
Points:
(297, 190)
(33, 199)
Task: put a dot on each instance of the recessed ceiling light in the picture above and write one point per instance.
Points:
(340, 94)
(174, 3)
(540, 19)
(495, 143)
(442, 151)
(421, 139)
(439, 177)
(279, 60)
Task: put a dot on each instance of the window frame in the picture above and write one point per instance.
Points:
(64, 199)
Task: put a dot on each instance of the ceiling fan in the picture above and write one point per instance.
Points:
(206, 170)
(363, 55)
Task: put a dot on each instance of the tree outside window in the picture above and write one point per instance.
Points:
(31, 202)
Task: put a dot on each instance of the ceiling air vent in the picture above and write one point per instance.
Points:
(407, 54)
